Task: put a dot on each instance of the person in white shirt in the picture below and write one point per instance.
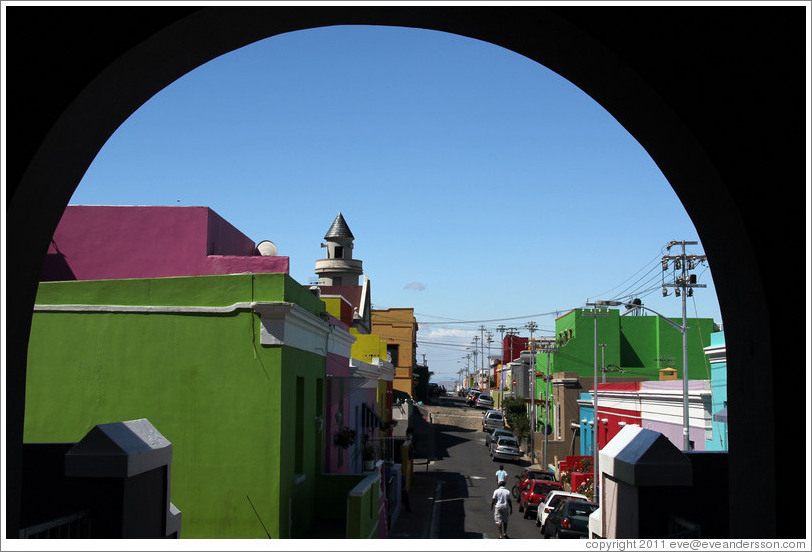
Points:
(502, 508)
(501, 475)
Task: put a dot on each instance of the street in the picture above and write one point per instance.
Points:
(465, 471)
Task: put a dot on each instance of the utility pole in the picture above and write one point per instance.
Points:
(475, 353)
(603, 362)
(685, 282)
(596, 419)
(489, 337)
(482, 357)
(511, 332)
(501, 383)
(531, 327)
(549, 351)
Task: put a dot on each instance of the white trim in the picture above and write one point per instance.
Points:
(386, 371)
(716, 353)
(282, 323)
(340, 342)
(359, 368)
(156, 309)
(290, 325)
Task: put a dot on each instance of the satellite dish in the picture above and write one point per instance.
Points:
(267, 248)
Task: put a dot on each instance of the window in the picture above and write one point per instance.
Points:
(339, 252)
(392, 354)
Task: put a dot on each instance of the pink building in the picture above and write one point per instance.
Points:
(655, 405)
(112, 242)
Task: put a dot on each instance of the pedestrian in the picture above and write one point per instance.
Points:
(501, 475)
(502, 508)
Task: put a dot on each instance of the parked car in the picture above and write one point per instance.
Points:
(472, 397)
(570, 519)
(535, 494)
(505, 448)
(492, 419)
(552, 500)
(493, 433)
(528, 475)
(484, 401)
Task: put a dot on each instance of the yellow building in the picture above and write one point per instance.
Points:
(398, 327)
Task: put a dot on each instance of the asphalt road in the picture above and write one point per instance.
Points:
(467, 475)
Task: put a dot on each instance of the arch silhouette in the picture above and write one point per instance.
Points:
(714, 95)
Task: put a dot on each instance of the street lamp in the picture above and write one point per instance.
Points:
(684, 331)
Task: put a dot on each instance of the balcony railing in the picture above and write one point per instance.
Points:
(73, 526)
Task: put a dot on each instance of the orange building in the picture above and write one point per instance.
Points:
(398, 327)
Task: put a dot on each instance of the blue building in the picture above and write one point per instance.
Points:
(717, 356)
(587, 424)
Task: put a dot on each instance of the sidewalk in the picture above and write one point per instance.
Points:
(417, 523)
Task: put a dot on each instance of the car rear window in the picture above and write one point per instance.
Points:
(582, 509)
(544, 487)
(558, 498)
(495, 416)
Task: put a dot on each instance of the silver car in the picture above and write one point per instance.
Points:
(492, 419)
(505, 448)
(484, 401)
(493, 434)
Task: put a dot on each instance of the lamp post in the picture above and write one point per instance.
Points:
(684, 331)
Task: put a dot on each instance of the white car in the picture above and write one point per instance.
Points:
(552, 500)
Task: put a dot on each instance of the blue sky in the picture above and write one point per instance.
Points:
(479, 185)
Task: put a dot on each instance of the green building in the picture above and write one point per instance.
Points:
(229, 368)
(639, 345)
(635, 346)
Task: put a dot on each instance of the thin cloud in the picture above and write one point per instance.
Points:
(417, 286)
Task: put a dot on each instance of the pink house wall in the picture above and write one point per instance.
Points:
(336, 459)
(112, 242)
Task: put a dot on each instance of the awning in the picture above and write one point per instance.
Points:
(721, 416)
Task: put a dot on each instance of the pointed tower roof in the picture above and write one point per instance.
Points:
(339, 229)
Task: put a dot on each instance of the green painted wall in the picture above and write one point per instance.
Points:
(634, 343)
(203, 380)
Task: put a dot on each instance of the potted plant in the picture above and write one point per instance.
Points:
(345, 438)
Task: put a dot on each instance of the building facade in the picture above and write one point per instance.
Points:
(398, 327)
(717, 356)
(171, 314)
(231, 368)
(637, 346)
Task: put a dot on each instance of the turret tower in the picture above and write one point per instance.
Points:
(339, 268)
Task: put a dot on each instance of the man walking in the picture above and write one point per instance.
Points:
(502, 508)
(501, 475)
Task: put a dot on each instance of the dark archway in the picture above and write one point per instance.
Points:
(715, 95)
